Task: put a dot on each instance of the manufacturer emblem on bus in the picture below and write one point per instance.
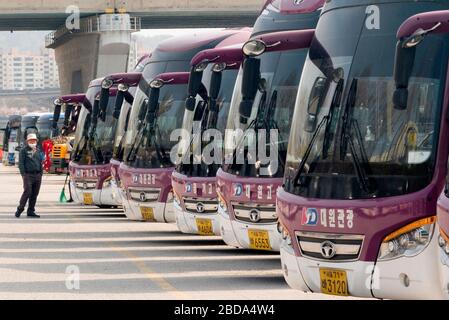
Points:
(254, 215)
(328, 250)
(200, 207)
(143, 197)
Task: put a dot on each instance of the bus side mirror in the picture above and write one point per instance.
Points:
(143, 111)
(128, 97)
(215, 85)
(87, 125)
(250, 85)
(153, 103)
(68, 114)
(56, 115)
(118, 104)
(315, 101)
(403, 67)
(154, 100)
(193, 89)
(190, 103)
(103, 104)
(95, 115)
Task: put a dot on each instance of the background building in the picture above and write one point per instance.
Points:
(28, 71)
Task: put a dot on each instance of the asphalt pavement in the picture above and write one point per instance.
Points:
(76, 252)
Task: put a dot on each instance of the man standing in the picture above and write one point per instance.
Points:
(30, 166)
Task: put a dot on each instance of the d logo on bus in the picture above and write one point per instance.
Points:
(238, 189)
(309, 217)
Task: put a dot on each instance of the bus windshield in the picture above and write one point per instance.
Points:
(280, 73)
(223, 104)
(151, 149)
(348, 140)
(99, 149)
(151, 71)
(120, 132)
(45, 130)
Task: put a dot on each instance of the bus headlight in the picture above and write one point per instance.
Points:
(107, 182)
(176, 199)
(284, 234)
(222, 203)
(443, 241)
(170, 197)
(408, 241)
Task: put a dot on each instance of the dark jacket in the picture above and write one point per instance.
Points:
(30, 163)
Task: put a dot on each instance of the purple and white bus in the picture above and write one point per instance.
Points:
(61, 150)
(194, 182)
(126, 89)
(148, 183)
(263, 100)
(367, 156)
(168, 92)
(90, 168)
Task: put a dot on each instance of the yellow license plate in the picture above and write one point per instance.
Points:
(259, 240)
(334, 282)
(205, 227)
(88, 199)
(147, 213)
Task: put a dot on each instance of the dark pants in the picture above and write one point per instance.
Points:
(31, 188)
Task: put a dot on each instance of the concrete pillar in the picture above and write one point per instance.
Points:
(100, 47)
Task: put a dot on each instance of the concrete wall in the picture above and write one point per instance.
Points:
(77, 62)
(85, 57)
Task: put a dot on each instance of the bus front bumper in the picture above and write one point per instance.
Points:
(152, 212)
(226, 230)
(242, 234)
(188, 222)
(414, 277)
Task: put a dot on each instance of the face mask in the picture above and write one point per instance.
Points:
(33, 145)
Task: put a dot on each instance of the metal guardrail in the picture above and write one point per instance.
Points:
(96, 24)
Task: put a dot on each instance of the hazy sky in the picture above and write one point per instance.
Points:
(35, 40)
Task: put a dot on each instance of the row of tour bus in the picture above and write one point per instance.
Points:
(15, 128)
(326, 123)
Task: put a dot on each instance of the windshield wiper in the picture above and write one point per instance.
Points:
(253, 124)
(311, 144)
(271, 123)
(335, 103)
(327, 120)
(360, 165)
(96, 151)
(360, 170)
(187, 161)
(160, 152)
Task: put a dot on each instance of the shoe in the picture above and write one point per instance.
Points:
(33, 215)
(17, 214)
